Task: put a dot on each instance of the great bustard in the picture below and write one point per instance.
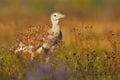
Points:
(40, 39)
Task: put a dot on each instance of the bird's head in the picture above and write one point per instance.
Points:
(56, 16)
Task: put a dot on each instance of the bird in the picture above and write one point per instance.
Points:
(40, 39)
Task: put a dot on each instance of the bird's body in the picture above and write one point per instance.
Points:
(42, 38)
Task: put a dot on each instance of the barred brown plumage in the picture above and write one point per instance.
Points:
(34, 35)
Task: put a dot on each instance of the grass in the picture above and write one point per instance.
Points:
(92, 58)
(86, 54)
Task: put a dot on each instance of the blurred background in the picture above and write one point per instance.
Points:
(83, 9)
(16, 15)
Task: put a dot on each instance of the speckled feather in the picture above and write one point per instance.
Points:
(34, 35)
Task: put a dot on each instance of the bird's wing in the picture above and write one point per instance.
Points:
(50, 40)
(33, 36)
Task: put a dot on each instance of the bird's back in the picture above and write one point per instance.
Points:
(33, 35)
(31, 38)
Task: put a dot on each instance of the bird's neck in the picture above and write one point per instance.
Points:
(55, 26)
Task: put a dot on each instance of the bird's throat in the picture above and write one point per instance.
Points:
(55, 26)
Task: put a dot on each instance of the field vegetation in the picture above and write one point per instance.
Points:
(88, 51)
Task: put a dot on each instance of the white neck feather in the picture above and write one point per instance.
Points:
(55, 26)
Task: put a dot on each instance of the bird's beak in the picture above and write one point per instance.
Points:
(62, 16)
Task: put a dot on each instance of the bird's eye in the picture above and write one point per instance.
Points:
(55, 15)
